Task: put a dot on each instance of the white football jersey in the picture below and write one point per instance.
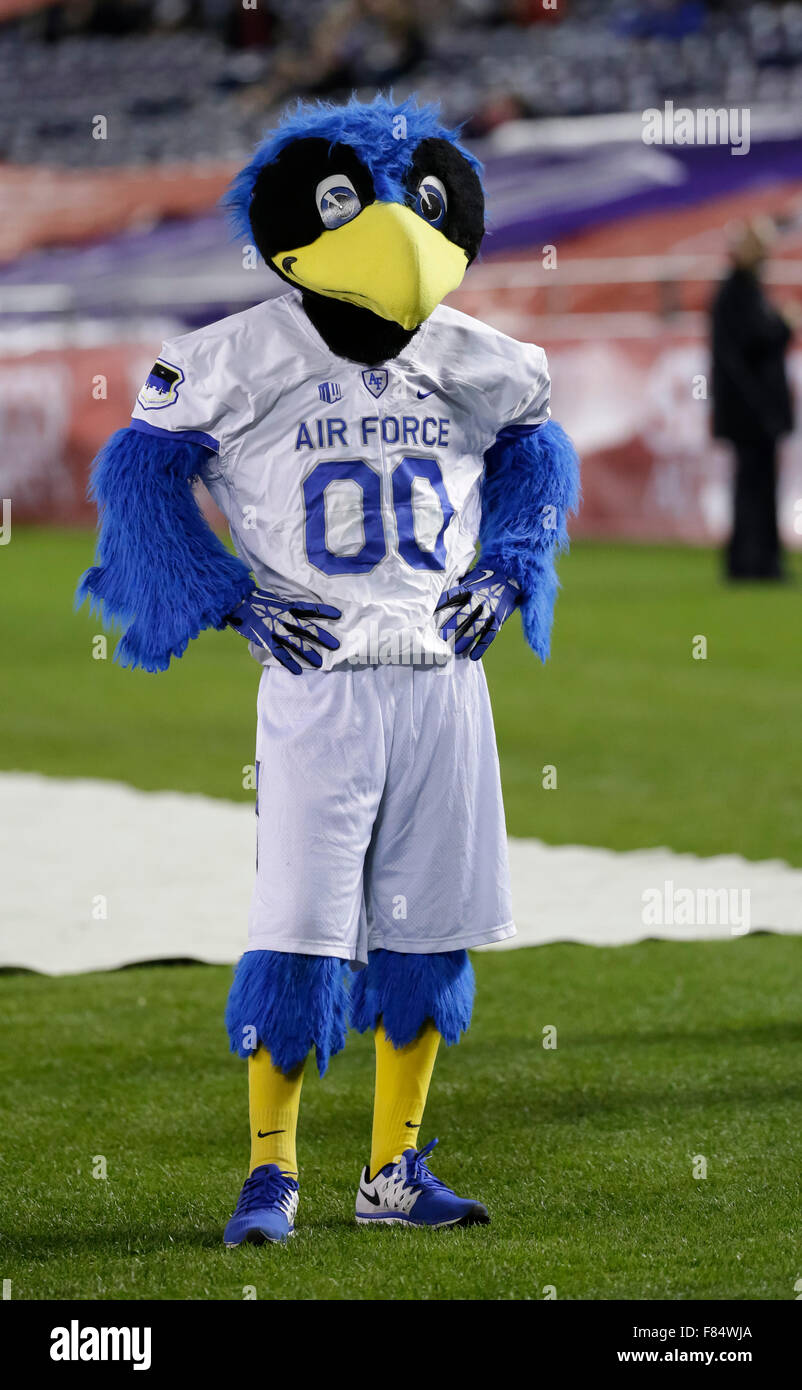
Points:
(355, 486)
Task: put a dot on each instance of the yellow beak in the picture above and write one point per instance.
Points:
(386, 259)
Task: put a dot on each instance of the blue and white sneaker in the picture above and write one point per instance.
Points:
(407, 1192)
(266, 1208)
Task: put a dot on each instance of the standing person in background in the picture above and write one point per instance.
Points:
(751, 400)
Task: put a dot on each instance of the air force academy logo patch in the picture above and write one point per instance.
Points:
(376, 379)
(161, 387)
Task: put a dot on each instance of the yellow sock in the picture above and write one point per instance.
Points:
(273, 1103)
(403, 1075)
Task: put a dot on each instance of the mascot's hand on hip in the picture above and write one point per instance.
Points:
(284, 627)
(480, 604)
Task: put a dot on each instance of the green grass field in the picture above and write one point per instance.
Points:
(651, 746)
(584, 1154)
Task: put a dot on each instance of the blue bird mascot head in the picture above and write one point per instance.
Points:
(374, 212)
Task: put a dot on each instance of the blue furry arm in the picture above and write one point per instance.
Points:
(531, 485)
(159, 568)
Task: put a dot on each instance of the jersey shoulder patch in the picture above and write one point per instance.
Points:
(161, 386)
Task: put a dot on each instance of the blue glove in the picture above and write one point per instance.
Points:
(283, 628)
(479, 604)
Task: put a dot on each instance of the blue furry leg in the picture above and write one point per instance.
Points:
(405, 990)
(290, 1004)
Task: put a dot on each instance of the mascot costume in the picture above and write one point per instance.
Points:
(360, 439)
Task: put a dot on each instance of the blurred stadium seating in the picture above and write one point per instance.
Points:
(109, 244)
(170, 77)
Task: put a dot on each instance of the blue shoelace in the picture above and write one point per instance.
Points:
(265, 1190)
(417, 1174)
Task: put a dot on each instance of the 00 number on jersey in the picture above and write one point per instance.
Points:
(374, 547)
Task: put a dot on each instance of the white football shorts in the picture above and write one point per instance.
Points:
(380, 818)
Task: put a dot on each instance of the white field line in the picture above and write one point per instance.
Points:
(96, 875)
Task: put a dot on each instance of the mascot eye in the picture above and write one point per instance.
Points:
(431, 201)
(336, 200)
